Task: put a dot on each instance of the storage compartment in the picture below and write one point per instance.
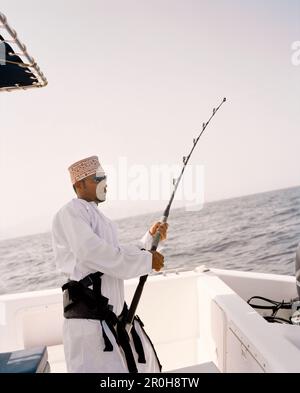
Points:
(241, 356)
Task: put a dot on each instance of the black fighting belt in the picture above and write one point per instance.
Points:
(80, 301)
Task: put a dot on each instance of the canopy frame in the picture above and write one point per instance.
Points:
(26, 61)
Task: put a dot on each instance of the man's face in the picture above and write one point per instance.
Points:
(86, 188)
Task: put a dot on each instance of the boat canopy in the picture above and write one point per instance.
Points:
(18, 70)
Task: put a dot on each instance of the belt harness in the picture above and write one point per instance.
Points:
(80, 301)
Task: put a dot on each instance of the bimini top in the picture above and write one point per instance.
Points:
(18, 70)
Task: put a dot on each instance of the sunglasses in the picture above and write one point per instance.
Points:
(98, 179)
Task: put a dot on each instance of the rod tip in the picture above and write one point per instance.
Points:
(224, 99)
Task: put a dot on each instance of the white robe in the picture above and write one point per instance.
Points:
(84, 242)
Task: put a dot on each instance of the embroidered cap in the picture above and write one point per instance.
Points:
(83, 168)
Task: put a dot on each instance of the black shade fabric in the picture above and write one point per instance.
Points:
(12, 74)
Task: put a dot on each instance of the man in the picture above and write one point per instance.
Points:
(85, 243)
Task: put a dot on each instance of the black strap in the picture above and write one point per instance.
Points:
(138, 345)
(137, 318)
(137, 342)
(78, 292)
(107, 314)
(125, 345)
(108, 345)
(90, 279)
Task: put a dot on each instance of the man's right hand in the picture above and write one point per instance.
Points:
(157, 260)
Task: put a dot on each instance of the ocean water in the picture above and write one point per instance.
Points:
(258, 232)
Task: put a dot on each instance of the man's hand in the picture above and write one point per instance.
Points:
(157, 260)
(162, 228)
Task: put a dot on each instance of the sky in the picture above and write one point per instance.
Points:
(132, 81)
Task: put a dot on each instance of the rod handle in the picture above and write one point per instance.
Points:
(156, 237)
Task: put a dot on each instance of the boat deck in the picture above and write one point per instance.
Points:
(56, 359)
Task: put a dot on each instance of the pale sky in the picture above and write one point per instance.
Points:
(137, 79)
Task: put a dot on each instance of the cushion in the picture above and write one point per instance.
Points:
(32, 360)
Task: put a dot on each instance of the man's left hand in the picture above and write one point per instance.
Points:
(162, 228)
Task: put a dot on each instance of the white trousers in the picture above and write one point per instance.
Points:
(84, 344)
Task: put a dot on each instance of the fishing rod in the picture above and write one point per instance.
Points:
(143, 279)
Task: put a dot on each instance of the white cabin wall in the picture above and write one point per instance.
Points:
(248, 284)
(26, 318)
